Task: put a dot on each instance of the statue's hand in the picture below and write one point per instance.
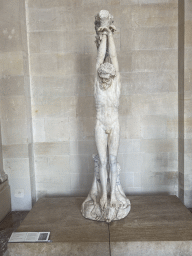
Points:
(104, 30)
(112, 28)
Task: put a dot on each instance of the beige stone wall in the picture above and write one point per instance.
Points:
(48, 111)
(150, 87)
(62, 59)
(14, 100)
(188, 105)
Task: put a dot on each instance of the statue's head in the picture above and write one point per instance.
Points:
(106, 73)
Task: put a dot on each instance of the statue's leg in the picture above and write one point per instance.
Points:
(101, 142)
(113, 144)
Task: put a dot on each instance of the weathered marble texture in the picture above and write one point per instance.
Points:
(91, 206)
(106, 200)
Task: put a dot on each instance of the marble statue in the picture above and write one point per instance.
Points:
(106, 200)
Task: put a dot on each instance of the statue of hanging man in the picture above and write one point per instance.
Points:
(107, 92)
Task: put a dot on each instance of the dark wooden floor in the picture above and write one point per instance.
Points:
(10, 223)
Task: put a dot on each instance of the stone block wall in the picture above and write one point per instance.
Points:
(49, 119)
(188, 106)
(62, 59)
(15, 101)
(149, 84)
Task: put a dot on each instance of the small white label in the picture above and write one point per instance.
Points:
(27, 237)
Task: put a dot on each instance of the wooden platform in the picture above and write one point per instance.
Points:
(156, 225)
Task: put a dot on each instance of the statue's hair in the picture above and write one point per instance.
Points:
(107, 68)
(103, 14)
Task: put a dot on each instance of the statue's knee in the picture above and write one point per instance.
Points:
(103, 163)
(112, 160)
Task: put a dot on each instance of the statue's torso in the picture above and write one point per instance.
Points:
(107, 102)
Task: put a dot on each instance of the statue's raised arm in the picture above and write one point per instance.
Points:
(112, 49)
(101, 51)
(103, 20)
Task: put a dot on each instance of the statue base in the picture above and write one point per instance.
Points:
(91, 208)
(93, 211)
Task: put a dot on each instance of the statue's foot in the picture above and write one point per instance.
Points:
(124, 201)
(97, 212)
(115, 203)
(103, 202)
(111, 214)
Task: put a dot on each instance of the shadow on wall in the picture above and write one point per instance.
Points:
(84, 127)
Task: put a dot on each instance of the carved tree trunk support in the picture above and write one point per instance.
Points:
(91, 207)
